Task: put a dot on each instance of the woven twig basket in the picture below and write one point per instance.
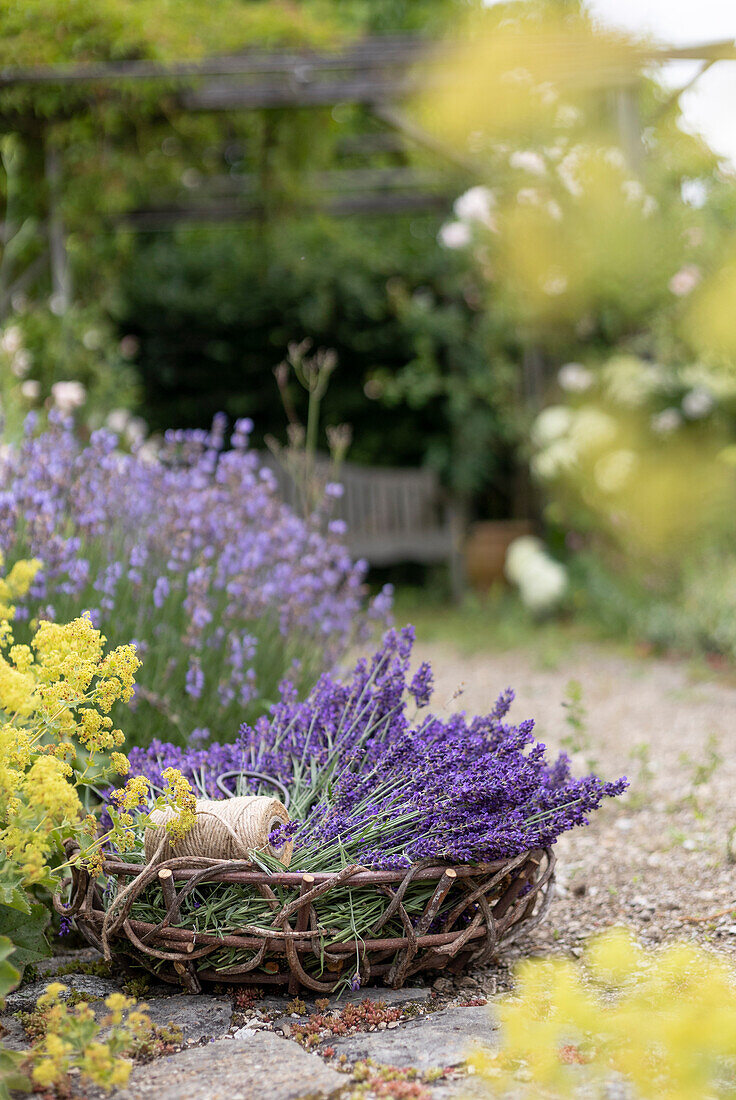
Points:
(482, 906)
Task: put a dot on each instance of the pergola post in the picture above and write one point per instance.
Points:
(61, 283)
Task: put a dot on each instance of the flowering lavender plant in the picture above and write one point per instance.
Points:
(189, 552)
(374, 778)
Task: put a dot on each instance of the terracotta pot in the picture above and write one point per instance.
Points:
(486, 546)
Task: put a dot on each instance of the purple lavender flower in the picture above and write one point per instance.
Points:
(370, 785)
(422, 685)
(191, 551)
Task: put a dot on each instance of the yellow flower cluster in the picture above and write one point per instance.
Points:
(665, 1021)
(55, 698)
(72, 1040)
(15, 585)
(56, 737)
(182, 797)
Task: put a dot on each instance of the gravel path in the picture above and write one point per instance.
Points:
(659, 855)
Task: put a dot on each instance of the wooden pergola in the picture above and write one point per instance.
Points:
(377, 73)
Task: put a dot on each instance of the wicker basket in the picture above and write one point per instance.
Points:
(481, 906)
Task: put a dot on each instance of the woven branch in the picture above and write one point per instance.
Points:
(488, 904)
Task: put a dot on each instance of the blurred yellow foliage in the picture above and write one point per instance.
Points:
(709, 323)
(538, 103)
(664, 1020)
(503, 77)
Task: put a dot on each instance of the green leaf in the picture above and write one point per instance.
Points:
(11, 1079)
(14, 896)
(9, 976)
(27, 931)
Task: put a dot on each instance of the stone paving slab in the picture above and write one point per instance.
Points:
(390, 997)
(257, 1066)
(435, 1041)
(198, 1017)
(24, 999)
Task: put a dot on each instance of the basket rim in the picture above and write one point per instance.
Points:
(472, 930)
(186, 867)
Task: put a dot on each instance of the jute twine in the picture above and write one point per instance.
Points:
(233, 828)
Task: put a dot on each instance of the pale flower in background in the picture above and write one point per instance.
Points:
(542, 581)
(528, 161)
(68, 396)
(614, 470)
(552, 422)
(554, 284)
(666, 422)
(11, 339)
(135, 431)
(554, 460)
(476, 205)
(633, 190)
(631, 381)
(592, 428)
(22, 362)
(575, 378)
(567, 115)
(148, 452)
(567, 171)
(721, 384)
(117, 420)
(30, 389)
(684, 281)
(128, 346)
(528, 196)
(615, 157)
(455, 235)
(697, 404)
(92, 339)
(649, 206)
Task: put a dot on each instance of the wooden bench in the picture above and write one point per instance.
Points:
(392, 514)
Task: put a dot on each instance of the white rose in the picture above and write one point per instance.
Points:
(559, 457)
(520, 552)
(135, 431)
(475, 205)
(455, 235)
(117, 420)
(21, 364)
(11, 339)
(669, 420)
(631, 381)
(697, 404)
(544, 585)
(685, 280)
(555, 283)
(552, 423)
(30, 389)
(541, 580)
(575, 378)
(68, 396)
(526, 160)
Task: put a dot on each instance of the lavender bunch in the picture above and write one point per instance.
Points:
(375, 778)
(190, 552)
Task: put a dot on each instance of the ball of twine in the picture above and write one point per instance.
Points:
(233, 828)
